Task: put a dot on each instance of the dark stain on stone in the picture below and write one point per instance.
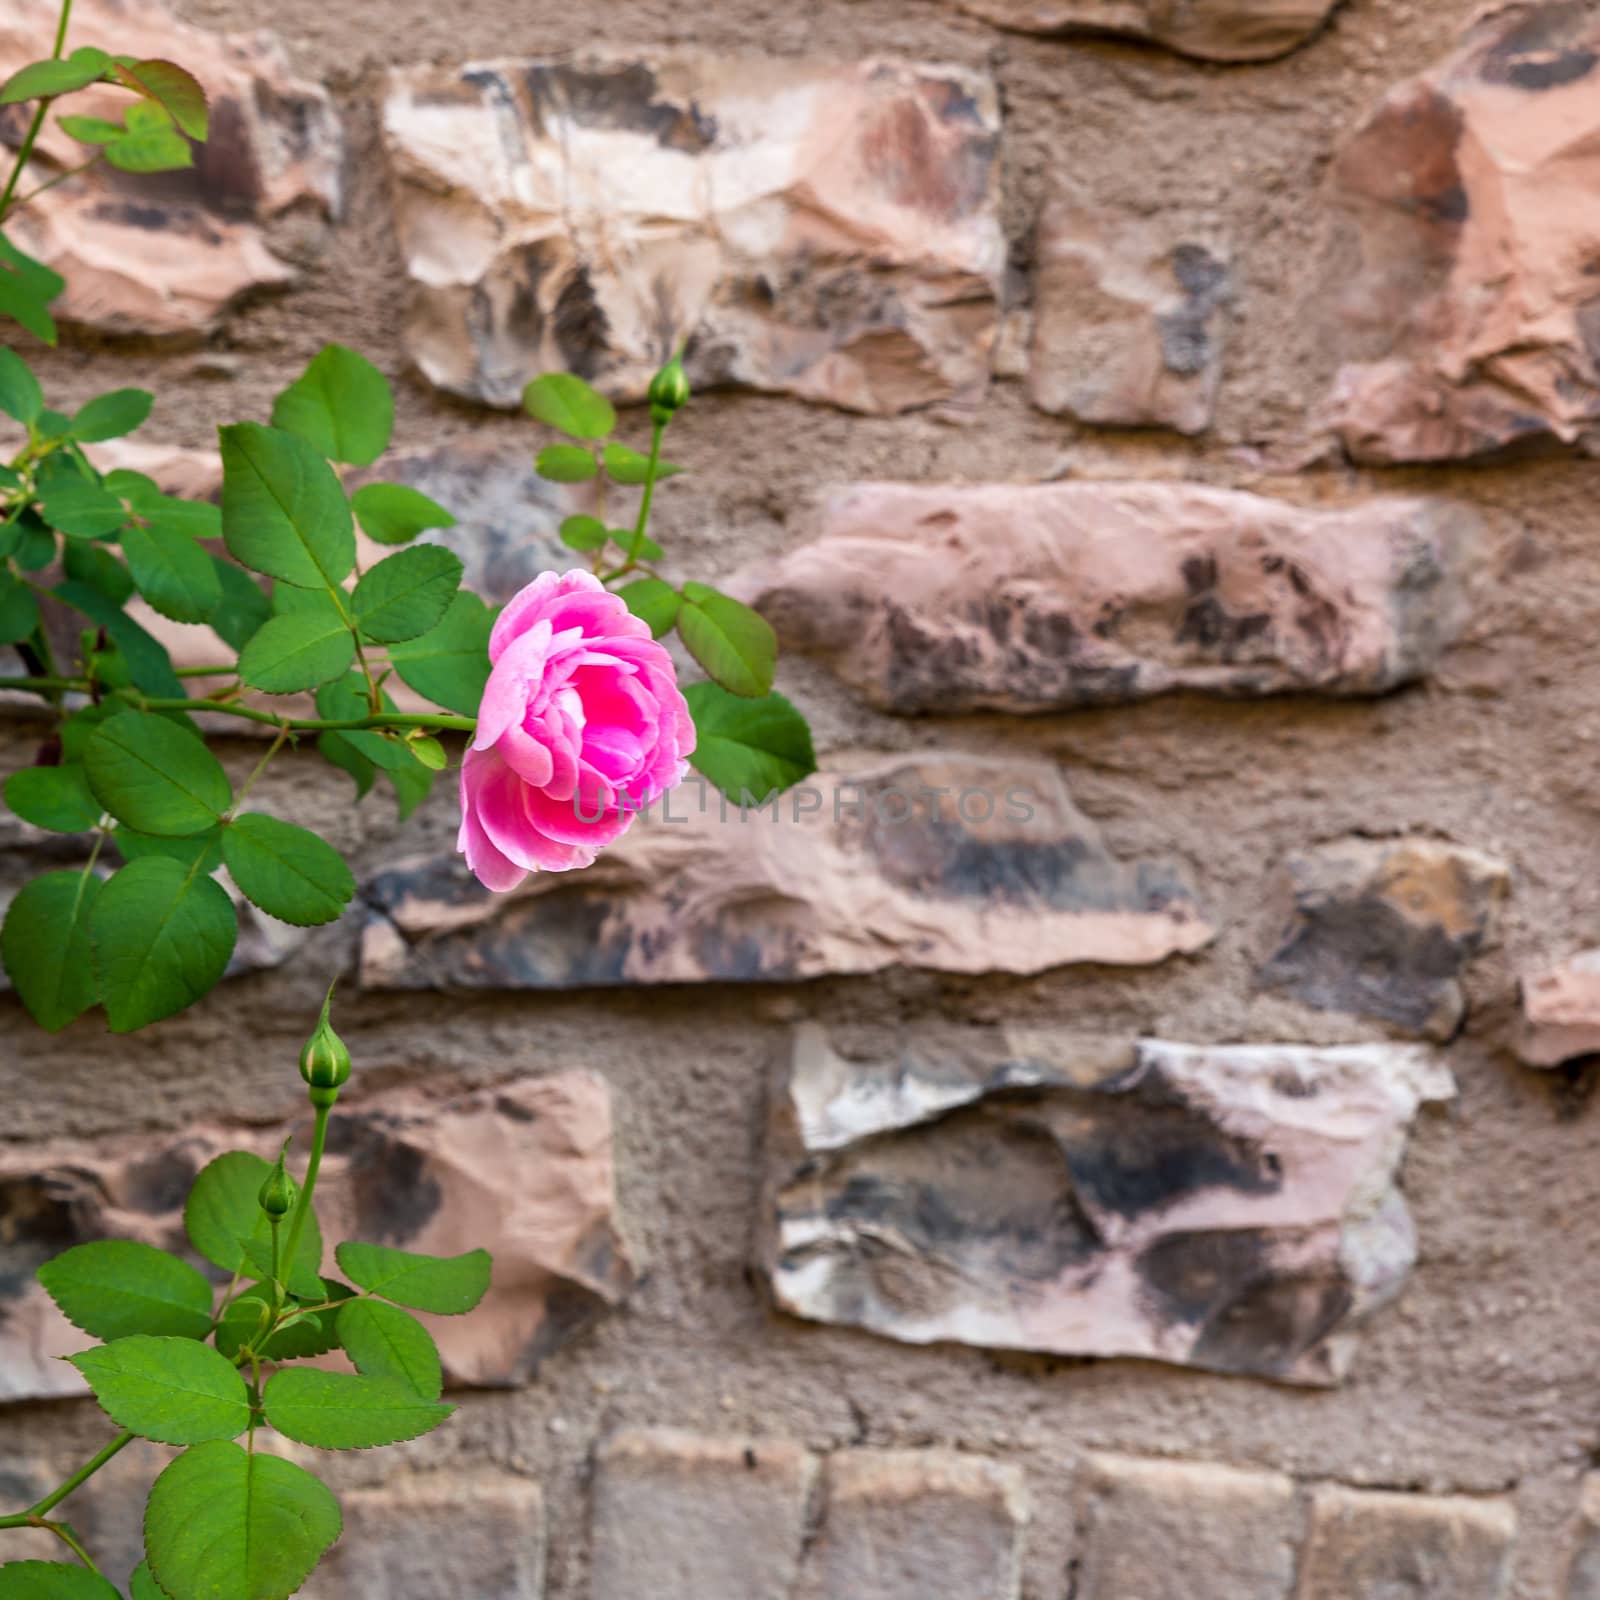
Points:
(160, 1183)
(226, 177)
(1589, 328)
(1186, 345)
(579, 324)
(1450, 204)
(1548, 49)
(902, 150)
(512, 1110)
(391, 1192)
(42, 1214)
(622, 97)
(569, 1308)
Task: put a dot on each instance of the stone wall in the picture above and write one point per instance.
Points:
(1167, 1177)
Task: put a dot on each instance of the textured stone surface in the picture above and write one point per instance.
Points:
(1370, 1546)
(1583, 1578)
(682, 1517)
(918, 1525)
(829, 230)
(170, 253)
(423, 1538)
(857, 871)
(1230, 1207)
(1561, 1011)
(1213, 30)
(1174, 1530)
(1384, 928)
(1042, 597)
(523, 1171)
(1473, 322)
(1128, 317)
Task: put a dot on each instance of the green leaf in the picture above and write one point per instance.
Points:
(301, 1282)
(204, 848)
(222, 1210)
(392, 513)
(341, 1411)
(341, 404)
(748, 746)
(654, 601)
(37, 546)
(310, 1336)
(385, 1342)
(146, 656)
(173, 573)
(345, 700)
(44, 944)
(20, 394)
(194, 519)
(648, 549)
(145, 116)
(243, 607)
(224, 1523)
(450, 663)
(175, 90)
(80, 509)
(174, 1391)
(54, 798)
(155, 776)
(19, 611)
(412, 784)
(26, 289)
(95, 565)
(298, 650)
(283, 512)
(111, 416)
(448, 1285)
(566, 463)
(628, 466)
(339, 752)
(141, 1586)
(583, 533)
(90, 130)
(116, 1287)
(46, 79)
(407, 593)
(160, 936)
(569, 405)
(735, 645)
(286, 870)
(429, 752)
(54, 1580)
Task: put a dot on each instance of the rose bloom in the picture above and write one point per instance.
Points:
(581, 724)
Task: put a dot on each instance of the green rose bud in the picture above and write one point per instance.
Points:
(325, 1063)
(278, 1191)
(669, 391)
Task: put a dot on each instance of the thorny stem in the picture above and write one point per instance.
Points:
(25, 149)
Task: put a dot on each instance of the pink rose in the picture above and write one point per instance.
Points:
(581, 724)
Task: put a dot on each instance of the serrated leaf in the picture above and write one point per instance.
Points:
(393, 513)
(339, 752)
(638, 549)
(173, 573)
(301, 1282)
(19, 611)
(44, 943)
(20, 394)
(343, 1411)
(583, 533)
(345, 700)
(283, 511)
(412, 784)
(299, 1341)
(116, 1287)
(175, 1391)
(629, 467)
(176, 90)
(54, 1580)
(160, 936)
(45, 79)
(223, 1210)
(146, 656)
(243, 607)
(194, 519)
(341, 404)
(141, 1586)
(654, 601)
(449, 664)
(287, 870)
(448, 1285)
(299, 650)
(150, 150)
(566, 463)
(385, 1342)
(224, 1523)
(55, 798)
(407, 593)
(569, 405)
(748, 746)
(26, 289)
(90, 130)
(155, 776)
(202, 848)
(95, 565)
(80, 509)
(735, 645)
(112, 415)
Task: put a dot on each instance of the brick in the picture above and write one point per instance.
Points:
(480, 1536)
(1379, 1546)
(1170, 1530)
(918, 1525)
(678, 1516)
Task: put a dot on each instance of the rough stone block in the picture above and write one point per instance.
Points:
(1583, 1578)
(1045, 597)
(1561, 1011)
(1378, 1546)
(1172, 1530)
(918, 1525)
(1229, 1207)
(825, 229)
(682, 1517)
